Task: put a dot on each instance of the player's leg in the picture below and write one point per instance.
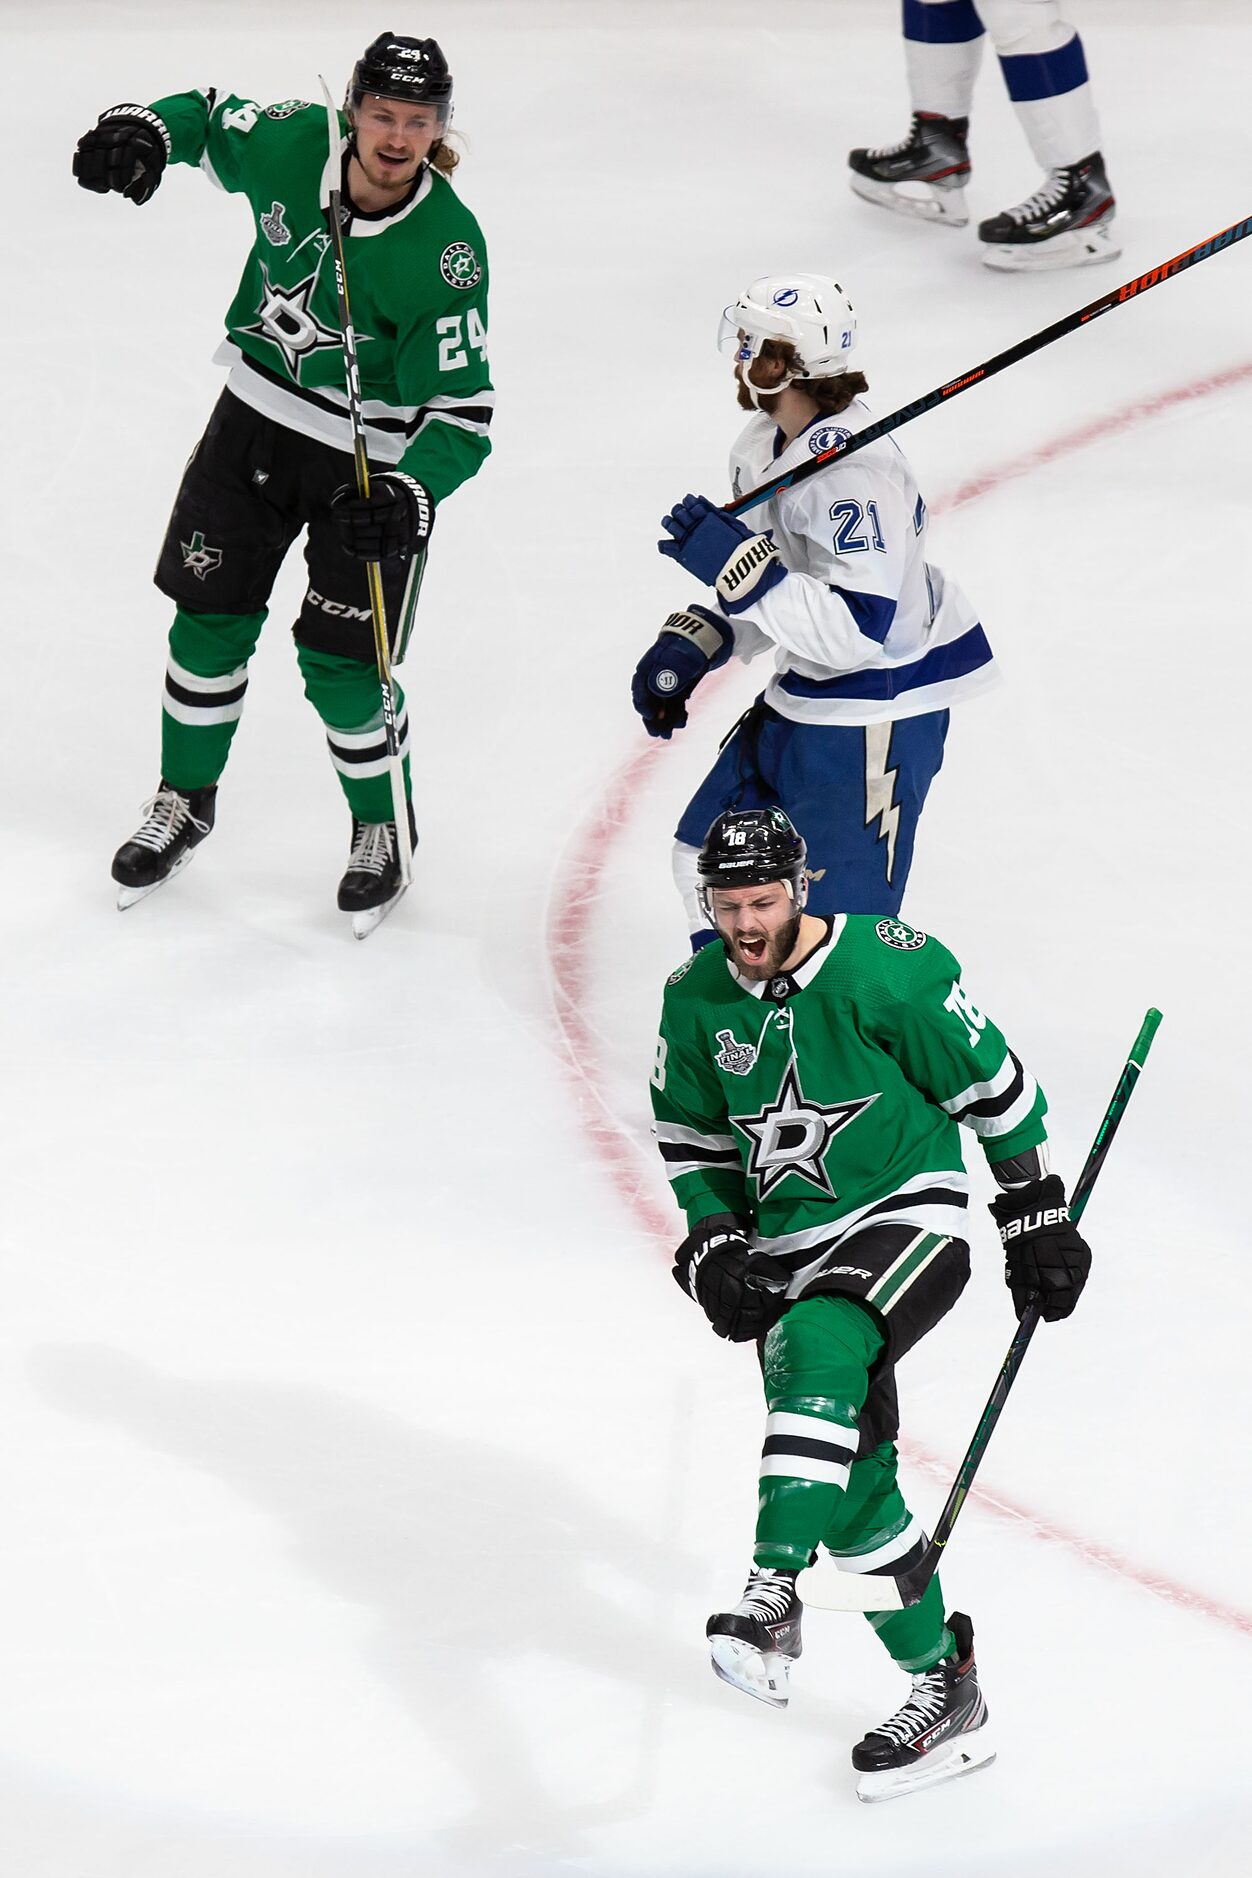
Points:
(816, 1362)
(734, 782)
(856, 793)
(231, 525)
(335, 647)
(926, 172)
(1068, 221)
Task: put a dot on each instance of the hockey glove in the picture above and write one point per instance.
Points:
(1044, 1256)
(687, 646)
(721, 552)
(127, 151)
(395, 518)
(742, 1293)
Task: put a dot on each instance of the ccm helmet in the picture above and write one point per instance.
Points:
(748, 848)
(395, 67)
(810, 312)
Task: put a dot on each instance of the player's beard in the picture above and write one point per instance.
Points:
(768, 399)
(778, 947)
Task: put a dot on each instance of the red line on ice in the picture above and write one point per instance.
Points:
(575, 888)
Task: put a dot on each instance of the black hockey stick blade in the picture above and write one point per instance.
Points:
(826, 1587)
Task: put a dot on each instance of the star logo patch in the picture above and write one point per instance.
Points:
(791, 1135)
(199, 556)
(285, 319)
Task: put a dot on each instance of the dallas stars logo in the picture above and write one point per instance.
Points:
(285, 319)
(199, 556)
(791, 1135)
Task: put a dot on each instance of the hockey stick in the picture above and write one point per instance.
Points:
(373, 573)
(833, 1590)
(979, 373)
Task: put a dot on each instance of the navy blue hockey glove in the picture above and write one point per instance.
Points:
(687, 646)
(394, 519)
(741, 1292)
(720, 551)
(127, 151)
(1044, 1256)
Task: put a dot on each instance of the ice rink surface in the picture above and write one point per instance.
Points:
(366, 1481)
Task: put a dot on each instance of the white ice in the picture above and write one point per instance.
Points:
(365, 1479)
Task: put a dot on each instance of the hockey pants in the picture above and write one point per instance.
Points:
(205, 682)
(814, 1491)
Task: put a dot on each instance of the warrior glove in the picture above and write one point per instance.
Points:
(720, 551)
(687, 646)
(742, 1293)
(127, 151)
(1044, 1256)
(394, 520)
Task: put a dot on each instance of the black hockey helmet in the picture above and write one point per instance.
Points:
(748, 848)
(395, 67)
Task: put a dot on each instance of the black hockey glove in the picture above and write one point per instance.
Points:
(394, 519)
(689, 645)
(742, 1293)
(1044, 1256)
(127, 151)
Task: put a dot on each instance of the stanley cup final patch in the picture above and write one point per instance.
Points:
(737, 1059)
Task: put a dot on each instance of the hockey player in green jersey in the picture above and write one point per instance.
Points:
(809, 1080)
(276, 456)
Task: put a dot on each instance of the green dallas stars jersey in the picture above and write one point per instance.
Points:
(417, 282)
(828, 1098)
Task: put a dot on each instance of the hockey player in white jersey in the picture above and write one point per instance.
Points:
(1068, 222)
(871, 642)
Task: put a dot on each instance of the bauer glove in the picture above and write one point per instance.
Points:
(395, 518)
(1044, 1255)
(127, 151)
(742, 1293)
(720, 551)
(687, 646)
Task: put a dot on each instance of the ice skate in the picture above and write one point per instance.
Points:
(371, 885)
(1067, 223)
(939, 1734)
(754, 1645)
(924, 175)
(175, 823)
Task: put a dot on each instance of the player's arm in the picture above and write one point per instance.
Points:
(839, 612)
(950, 1050)
(740, 1292)
(441, 370)
(129, 146)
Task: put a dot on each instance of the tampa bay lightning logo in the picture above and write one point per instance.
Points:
(786, 296)
(826, 436)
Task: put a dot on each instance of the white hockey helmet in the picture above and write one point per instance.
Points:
(810, 311)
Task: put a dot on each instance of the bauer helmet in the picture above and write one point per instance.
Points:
(810, 312)
(395, 67)
(750, 848)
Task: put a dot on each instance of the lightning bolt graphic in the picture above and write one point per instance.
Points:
(880, 785)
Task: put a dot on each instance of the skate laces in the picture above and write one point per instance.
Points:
(164, 817)
(767, 1595)
(897, 149)
(371, 851)
(925, 1705)
(1044, 200)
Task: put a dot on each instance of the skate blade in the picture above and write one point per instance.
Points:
(963, 1756)
(131, 896)
(1081, 248)
(924, 201)
(762, 1673)
(368, 921)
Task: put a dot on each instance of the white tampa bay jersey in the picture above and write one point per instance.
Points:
(863, 628)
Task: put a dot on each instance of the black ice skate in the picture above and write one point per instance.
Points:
(175, 823)
(371, 885)
(1067, 223)
(939, 1734)
(754, 1645)
(924, 175)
